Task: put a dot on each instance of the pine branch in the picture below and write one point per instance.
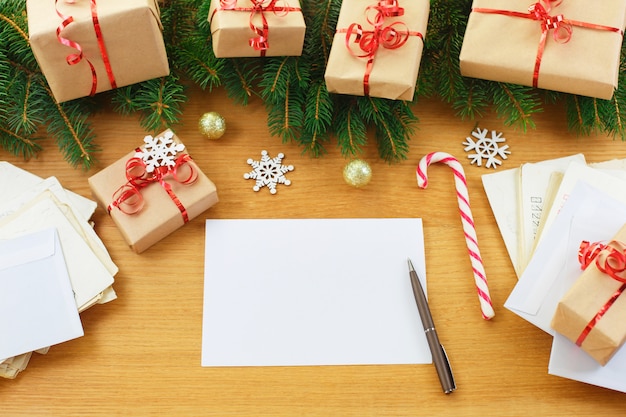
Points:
(444, 38)
(318, 117)
(299, 107)
(29, 103)
(23, 145)
(158, 101)
(73, 134)
(516, 104)
(189, 39)
(391, 123)
(240, 77)
(582, 115)
(285, 117)
(276, 79)
(350, 128)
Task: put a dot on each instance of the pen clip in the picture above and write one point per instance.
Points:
(450, 385)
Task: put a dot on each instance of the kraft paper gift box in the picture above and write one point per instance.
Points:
(579, 312)
(394, 71)
(233, 36)
(505, 48)
(130, 40)
(161, 213)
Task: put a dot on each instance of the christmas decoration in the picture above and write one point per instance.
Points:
(377, 48)
(160, 151)
(151, 192)
(486, 148)
(554, 45)
(252, 28)
(268, 172)
(590, 312)
(212, 125)
(108, 45)
(299, 106)
(480, 277)
(357, 173)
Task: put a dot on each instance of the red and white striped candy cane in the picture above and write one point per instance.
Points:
(468, 222)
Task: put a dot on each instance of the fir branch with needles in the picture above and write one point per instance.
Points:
(299, 107)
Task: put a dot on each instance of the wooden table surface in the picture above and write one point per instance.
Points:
(141, 353)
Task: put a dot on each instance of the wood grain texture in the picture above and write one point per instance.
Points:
(141, 353)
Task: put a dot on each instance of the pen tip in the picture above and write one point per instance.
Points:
(410, 264)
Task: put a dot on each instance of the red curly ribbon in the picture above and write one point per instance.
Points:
(261, 41)
(75, 58)
(611, 260)
(392, 36)
(128, 198)
(561, 27)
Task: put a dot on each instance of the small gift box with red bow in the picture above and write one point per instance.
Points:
(153, 191)
(86, 46)
(591, 314)
(377, 48)
(572, 46)
(251, 28)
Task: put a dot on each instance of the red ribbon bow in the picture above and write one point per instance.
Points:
(260, 42)
(75, 58)
(128, 198)
(562, 27)
(609, 259)
(562, 30)
(392, 36)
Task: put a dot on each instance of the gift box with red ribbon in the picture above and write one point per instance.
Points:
(252, 28)
(153, 190)
(591, 314)
(377, 48)
(571, 46)
(87, 46)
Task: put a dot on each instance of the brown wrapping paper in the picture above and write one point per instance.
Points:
(583, 301)
(231, 30)
(131, 30)
(159, 216)
(394, 73)
(504, 48)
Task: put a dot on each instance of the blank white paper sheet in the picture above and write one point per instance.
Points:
(301, 292)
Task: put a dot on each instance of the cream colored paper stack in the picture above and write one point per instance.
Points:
(32, 205)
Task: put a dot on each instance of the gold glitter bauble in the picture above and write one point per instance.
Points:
(212, 125)
(357, 173)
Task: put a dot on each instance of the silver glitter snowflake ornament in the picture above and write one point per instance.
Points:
(268, 172)
(487, 148)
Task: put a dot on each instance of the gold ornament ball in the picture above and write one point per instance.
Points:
(357, 173)
(212, 125)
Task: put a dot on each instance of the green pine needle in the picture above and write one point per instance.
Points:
(299, 107)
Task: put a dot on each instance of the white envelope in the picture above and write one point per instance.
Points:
(611, 181)
(505, 192)
(554, 267)
(534, 183)
(502, 189)
(88, 274)
(569, 361)
(37, 307)
(566, 359)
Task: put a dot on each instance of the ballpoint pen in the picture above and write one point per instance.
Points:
(440, 359)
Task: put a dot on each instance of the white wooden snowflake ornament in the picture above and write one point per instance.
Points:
(268, 172)
(487, 148)
(160, 151)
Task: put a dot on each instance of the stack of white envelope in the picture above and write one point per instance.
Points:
(544, 211)
(52, 266)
